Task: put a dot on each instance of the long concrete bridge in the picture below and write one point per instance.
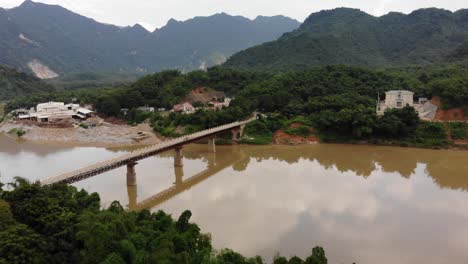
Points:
(215, 165)
(131, 159)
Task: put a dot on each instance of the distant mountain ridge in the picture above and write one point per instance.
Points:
(352, 37)
(50, 40)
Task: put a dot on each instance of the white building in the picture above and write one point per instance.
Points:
(146, 109)
(185, 108)
(400, 98)
(395, 99)
(53, 111)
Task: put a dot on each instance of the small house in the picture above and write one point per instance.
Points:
(185, 108)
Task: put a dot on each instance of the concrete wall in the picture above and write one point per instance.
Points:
(398, 99)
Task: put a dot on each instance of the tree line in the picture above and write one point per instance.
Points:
(339, 101)
(61, 224)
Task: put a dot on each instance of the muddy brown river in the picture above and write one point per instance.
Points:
(363, 204)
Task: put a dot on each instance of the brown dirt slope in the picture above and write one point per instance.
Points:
(453, 114)
(203, 95)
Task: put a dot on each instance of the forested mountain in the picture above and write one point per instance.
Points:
(50, 40)
(352, 37)
(14, 84)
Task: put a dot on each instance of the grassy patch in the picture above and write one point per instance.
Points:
(17, 131)
(301, 130)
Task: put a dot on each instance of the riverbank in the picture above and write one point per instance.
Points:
(102, 135)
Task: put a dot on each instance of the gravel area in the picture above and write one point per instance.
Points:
(106, 135)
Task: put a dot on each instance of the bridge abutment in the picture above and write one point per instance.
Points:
(237, 133)
(178, 159)
(131, 174)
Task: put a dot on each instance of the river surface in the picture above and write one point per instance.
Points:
(363, 204)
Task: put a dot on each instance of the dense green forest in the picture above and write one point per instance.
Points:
(60, 224)
(14, 84)
(338, 101)
(89, 80)
(352, 37)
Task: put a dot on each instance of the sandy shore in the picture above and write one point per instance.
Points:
(104, 135)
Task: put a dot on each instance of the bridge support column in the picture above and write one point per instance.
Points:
(212, 145)
(211, 157)
(131, 174)
(132, 197)
(241, 131)
(178, 161)
(179, 175)
(235, 134)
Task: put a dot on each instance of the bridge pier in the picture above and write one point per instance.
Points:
(211, 160)
(236, 134)
(178, 161)
(212, 145)
(132, 197)
(179, 175)
(131, 174)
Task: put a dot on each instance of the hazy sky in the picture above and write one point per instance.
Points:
(155, 13)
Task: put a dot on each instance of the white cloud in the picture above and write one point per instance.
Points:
(156, 13)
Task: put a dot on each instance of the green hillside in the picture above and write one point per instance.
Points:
(14, 84)
(34, 35)
(352, 37)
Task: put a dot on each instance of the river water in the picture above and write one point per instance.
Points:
(363, 204)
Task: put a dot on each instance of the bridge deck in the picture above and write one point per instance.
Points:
(104, 166)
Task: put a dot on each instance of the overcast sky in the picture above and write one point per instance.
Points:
(155, 13)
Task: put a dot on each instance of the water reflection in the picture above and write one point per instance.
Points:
(447, 168)
(362, 203)
(214, 166)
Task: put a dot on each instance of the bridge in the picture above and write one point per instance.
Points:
(216, 164)
(130, 160)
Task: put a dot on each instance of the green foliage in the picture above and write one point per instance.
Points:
(260, 132)
(6, 217)
(20, 244)
(301, 130)
(352, 37)
(398, 123)
(459, 130)
(59, 224)
(17, 131)
(14, 83)
(430, 134)
(78, 44)
(135, 116)
(317, 257)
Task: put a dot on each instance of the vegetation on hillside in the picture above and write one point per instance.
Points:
(67, 42)
(339, 101)
(60, 224)
(15, 84)
(352, 37)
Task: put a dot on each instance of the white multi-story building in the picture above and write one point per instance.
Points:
(395, 99)
(401, 98)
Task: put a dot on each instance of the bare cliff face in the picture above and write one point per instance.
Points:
(41, 71)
